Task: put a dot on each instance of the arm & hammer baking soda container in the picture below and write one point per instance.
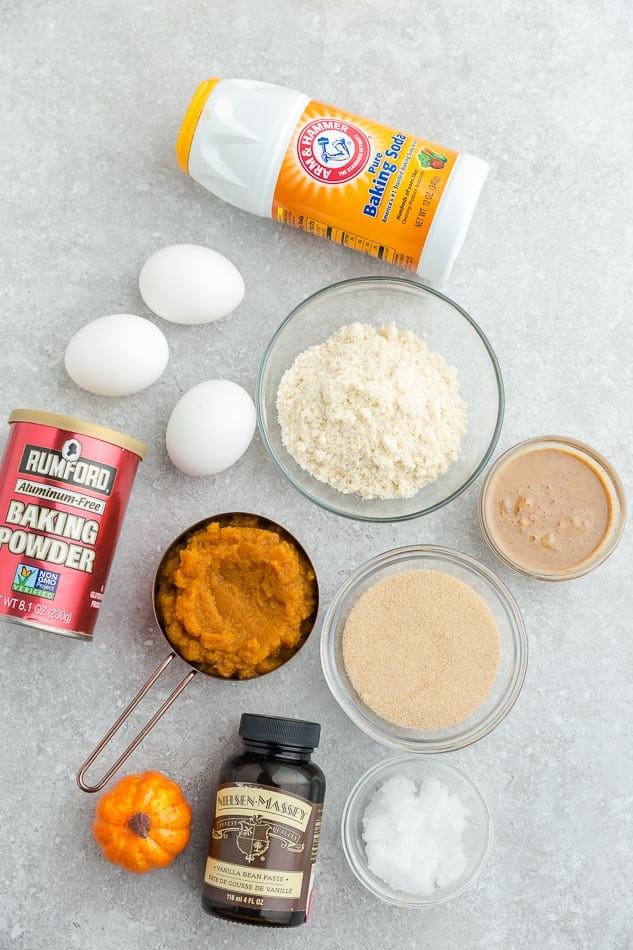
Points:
(276, 153)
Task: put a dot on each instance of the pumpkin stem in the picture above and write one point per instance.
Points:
(140, 823)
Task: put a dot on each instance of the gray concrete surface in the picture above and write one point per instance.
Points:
(92, 96)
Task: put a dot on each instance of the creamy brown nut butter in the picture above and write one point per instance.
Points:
(552, 508)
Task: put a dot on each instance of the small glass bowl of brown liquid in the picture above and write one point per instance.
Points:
(552, 508)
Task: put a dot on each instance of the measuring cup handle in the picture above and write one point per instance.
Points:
(141, 735)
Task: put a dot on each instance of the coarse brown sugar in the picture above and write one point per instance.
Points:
(421, 649)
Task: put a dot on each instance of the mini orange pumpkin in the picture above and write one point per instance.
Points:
(143, 823)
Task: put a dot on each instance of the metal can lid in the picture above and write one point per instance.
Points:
(279, 731)
(79, 426)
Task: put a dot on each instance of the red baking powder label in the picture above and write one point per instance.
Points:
(63, 495)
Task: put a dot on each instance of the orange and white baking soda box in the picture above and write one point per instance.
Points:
(276, 153)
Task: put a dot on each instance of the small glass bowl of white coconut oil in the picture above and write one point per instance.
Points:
(416, 831)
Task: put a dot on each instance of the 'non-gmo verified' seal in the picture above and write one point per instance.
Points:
(35, 581)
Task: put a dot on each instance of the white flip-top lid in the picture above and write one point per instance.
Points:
(240, 141)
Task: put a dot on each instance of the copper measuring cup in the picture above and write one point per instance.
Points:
(228, 518)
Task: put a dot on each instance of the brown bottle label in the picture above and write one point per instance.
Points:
(263, 848)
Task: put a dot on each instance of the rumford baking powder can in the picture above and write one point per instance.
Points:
(64, 488)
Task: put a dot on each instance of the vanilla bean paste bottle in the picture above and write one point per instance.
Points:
(265, 830)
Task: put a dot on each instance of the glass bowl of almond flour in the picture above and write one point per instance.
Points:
(379, 399)
(424, 649)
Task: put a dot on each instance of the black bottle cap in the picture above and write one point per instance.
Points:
(291, 732)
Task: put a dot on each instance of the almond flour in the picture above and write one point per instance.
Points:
(372, 411)
(421, 649)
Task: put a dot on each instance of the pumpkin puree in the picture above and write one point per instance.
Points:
(234, 599)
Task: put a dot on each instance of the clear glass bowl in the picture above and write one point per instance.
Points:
(445, 327)
(477, 840)
(512, 664)
(611, 483)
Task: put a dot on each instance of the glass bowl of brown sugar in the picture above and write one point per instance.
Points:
(424, 649)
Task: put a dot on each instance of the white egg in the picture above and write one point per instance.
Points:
(210, 428)
(187, 283)
(116, 355)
